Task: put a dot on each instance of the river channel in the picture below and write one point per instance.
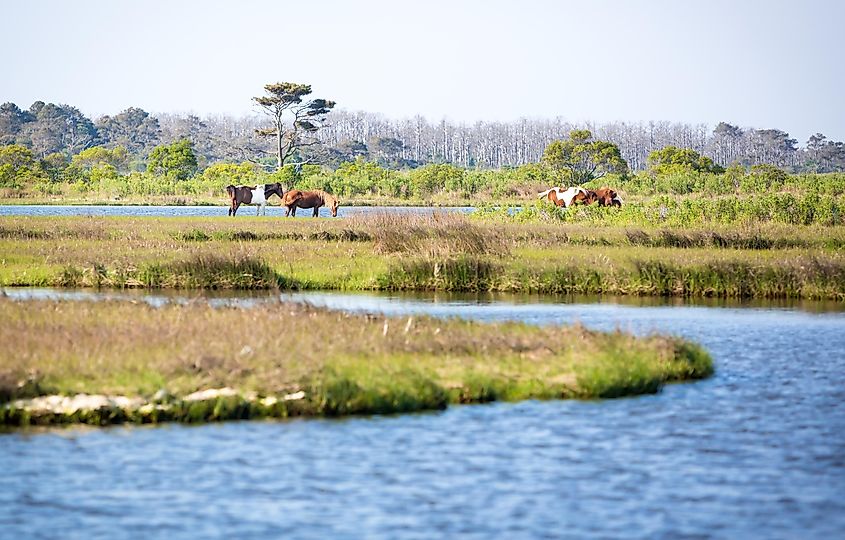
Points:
(757, 451)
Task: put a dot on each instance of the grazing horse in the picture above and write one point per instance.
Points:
(568, 197)
(608, 197)
(257, 196)
(295, 198)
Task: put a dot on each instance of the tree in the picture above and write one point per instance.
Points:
(727, 142)
(672, 158)
(117, 157)
(387, 150)
(12, 120)
(57, 128)
(296, 120)
(581, 159)
(824, 155)
(54, 165)
(772, 146)
(18, 166)
(176, 160)
(134, 129)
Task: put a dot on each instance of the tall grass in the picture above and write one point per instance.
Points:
(805, 278)
(426, 252)
(338, 363)
(207, 271)
(199, 271)
(435, 234)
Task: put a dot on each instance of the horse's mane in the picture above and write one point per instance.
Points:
(328, 198)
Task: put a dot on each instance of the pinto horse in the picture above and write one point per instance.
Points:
(248, 195)
(295, 198)
(608, 197)
(568, 197)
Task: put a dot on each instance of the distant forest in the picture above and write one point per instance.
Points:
(50, 129)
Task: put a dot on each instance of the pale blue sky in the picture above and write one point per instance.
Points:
(754, 63)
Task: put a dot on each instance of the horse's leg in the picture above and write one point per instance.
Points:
(235, 206)
(317, 211)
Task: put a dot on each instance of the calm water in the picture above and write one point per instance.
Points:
(758, 451)
(192, 211)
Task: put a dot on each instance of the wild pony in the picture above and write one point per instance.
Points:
(568, 197)
(608, 197)
(295, 198)
(248, 195)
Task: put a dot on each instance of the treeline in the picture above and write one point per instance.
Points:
(53, 131)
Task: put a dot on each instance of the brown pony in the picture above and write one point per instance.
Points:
(607, 197)
(295, 198)
(257, 195)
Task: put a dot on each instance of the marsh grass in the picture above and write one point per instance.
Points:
(461, 273)
(424, 252)
(344, 363)
(432, 235)
(209, 271)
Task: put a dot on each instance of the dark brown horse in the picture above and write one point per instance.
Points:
(295, 198)
(607, 197)
(257, 195)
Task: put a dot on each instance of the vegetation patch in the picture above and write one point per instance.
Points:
(111, 362)
(447, 252)
(207, 271)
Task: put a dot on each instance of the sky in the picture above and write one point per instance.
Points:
(754, 63)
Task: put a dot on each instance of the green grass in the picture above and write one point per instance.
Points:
(344, 363)
(447, 253)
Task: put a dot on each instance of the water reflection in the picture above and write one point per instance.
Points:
(405, 301)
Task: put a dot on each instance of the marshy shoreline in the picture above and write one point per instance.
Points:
(122, 362)
(424, 252)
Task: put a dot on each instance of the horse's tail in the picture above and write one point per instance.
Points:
(545, 194)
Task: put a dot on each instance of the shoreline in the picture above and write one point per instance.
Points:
(125, 367)
(449, 253)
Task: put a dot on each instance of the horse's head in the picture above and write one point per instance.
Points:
(333, 204)
(270, 189)
(605, 196)
(230, 189)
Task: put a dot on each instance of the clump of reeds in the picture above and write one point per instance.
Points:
(433, 235)
(210, 271)
(461, 273)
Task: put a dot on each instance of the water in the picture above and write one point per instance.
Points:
(757, 451)
(203, 211)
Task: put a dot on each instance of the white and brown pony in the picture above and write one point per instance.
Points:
(295, 198)
(257, 195)
(568, 197)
